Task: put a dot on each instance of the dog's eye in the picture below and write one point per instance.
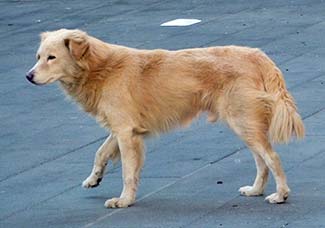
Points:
(38, 57)
(51, 57)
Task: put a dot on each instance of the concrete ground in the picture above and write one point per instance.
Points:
(191, 176)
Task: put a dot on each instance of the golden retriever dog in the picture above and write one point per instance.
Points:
(137, 93)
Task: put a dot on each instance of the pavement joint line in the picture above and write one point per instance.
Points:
(30, 206)
(53, 158)
(287, 170)
(162, 177)
(117, 210)
(149, 194)
(294, 57)
(159, 189)
(203, 22)
(183, 136)
(170, 184)
(267, 43)
(270, 42)
(314, 113)
(103, 137)
(158, 3)
(291, 57)
(237, 196)
(24, 29)
(306, 159)
(306, 81)
(203, 215)
(228, 155)
(185, 29)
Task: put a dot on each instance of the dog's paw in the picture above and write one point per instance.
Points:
(91, 182)
(118, 202)
(250, 191)
(277, 197)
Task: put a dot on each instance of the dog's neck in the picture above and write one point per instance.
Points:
(83, 91)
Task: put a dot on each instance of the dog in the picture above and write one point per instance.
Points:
(137, 93)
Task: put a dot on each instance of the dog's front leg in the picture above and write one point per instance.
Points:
(109, 150)
(132, 156)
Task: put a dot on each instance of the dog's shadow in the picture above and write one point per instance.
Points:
(193, 207)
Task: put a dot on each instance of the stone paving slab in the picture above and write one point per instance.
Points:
(43, 161)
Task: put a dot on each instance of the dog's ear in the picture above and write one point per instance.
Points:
(77, 44)
(43, 35)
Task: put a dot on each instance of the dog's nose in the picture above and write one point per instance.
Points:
(30, 76)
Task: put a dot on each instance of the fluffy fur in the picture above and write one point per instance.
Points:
(135, 93)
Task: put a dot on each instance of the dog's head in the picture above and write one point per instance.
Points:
(58, 56)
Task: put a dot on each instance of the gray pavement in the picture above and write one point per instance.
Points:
(47, 145)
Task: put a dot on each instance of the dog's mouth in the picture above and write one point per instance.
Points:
(31, 80)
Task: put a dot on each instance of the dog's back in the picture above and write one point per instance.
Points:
(171, 88)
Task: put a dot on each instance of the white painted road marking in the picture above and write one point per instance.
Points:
(181, 22)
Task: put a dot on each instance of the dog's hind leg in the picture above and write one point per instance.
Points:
(272, 160)
(249, 132)
(262, 172)
(132, 157)
(266, 158)
(249, 114)
(108, 150)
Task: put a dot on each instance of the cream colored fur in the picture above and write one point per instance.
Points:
(136, 93)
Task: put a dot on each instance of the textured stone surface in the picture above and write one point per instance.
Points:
(47, 144)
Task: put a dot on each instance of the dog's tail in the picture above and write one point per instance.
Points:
(285, 120)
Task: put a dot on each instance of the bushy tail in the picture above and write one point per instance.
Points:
(285, 123)
(285, 120)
